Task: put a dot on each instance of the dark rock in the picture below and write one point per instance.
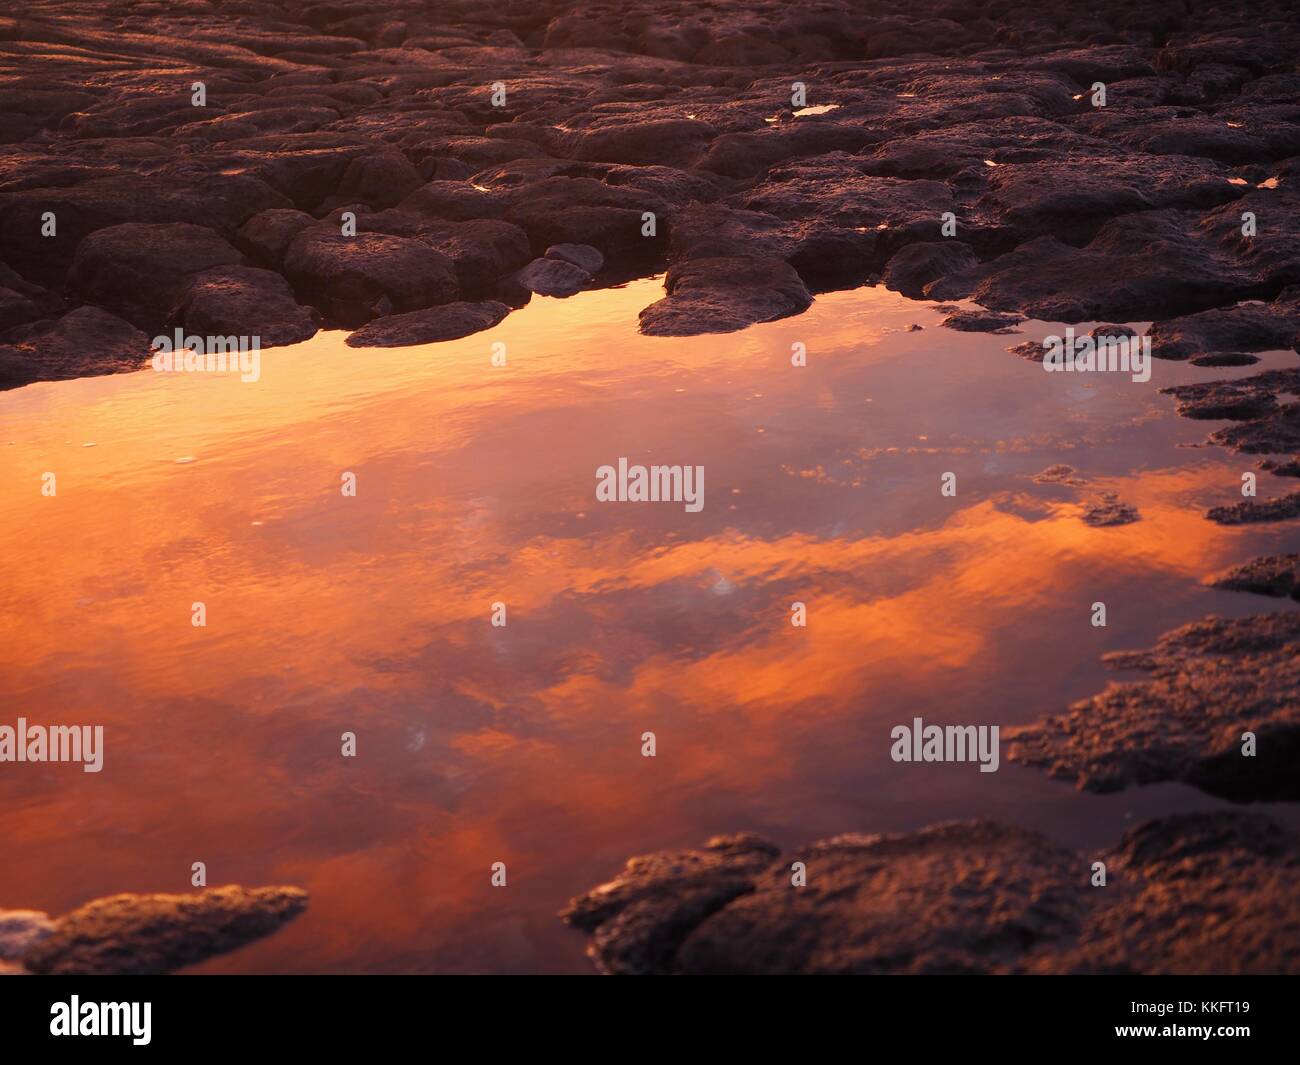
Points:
(83, 343)
(1276, 575)
(914, 268)
(267, 236)
(959, 898)
(431, 325)
(1108, 510)
(1059, 474)
(1210, 682)
(580, 255)
(721, 295)
(1225, 358)
(149, 934)
(638, 919)
(1250, 511)
(553, 277)
(1251, 326)
(137, 270)
(982, 322)
(846, 920)
(354, 279)
(243, 301)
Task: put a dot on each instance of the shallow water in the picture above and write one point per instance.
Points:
(475, 484)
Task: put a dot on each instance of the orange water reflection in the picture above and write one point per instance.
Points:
(476, 484)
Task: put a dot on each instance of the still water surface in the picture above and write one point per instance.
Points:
(475, 484)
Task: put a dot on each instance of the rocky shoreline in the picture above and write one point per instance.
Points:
(270, 166)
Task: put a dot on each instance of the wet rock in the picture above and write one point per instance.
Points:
(962, 897)
(1277, 431)
(431, 325)
(244, 301)
(354, 279)
(82, 343)
(1225, 358)
(1222, 399)
(979, 321)
(1148, 263)
(638, 919)
(580, 255)
(137, 270)
(1251, 511)
(1253, 326)
(1211, 681)
(21, 930)
(144, 934)
(1200, 893)
(1108, 510)
(554, 277)
(723, 294)
(1275, 575)
(846, 920)
(1285, 468)
(1059, 474)
(914, 268)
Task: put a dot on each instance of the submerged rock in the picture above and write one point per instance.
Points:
(1210, 682)
(146, 934)
(962, 897)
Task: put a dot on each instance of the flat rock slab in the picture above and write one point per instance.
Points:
(1210, 682)
(450, 321)
(961, 897)
(148, 934)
